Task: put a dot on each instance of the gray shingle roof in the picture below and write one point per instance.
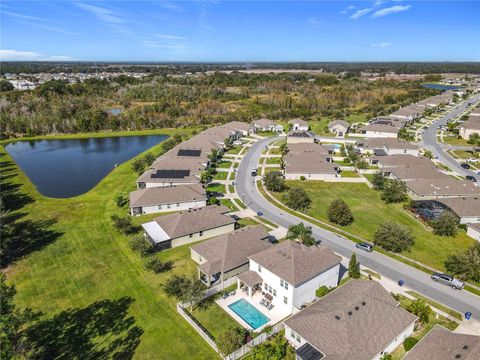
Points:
(167, 195)
(469, 206)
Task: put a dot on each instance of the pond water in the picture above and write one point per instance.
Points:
(440, 86)
(66, 168)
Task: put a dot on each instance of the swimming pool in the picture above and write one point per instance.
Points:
(248, 313)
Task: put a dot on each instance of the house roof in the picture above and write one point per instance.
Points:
(264, 122)
(390, 143)
(194, 220)
(473, 123)
(237, 126)
(415, 171)
(463, 206)
(343, 123)
(167, 195)
(298, 121)
(357, 321)
(226, 252)
(295, 262)
(475, 226)
(443, 344)
(301, 134)
(250, 278)
(380, 128)
(407, 111)
(307, 163)
(308, 147)
(402, 160)
(447, 186)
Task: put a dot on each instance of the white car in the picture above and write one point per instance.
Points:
(473, 160)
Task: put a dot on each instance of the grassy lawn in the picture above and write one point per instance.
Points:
(437, 305)
(234, 151)
(246, 222)
(275, 160)
(221, 175)
(224, 165)
(228, 203)
(463, 154)
(370, 211)
(275, 151)
(349, 174)
(231, 188)
(89, 262)
(214, 318)
(216, 187)
(453, 140)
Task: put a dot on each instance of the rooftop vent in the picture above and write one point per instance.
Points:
(458, 356)
(350, 313)
(364, 303)
(465, 347)
(337, 317)
(356, 308)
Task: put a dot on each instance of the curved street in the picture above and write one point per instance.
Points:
(417, 280)
(429, 140)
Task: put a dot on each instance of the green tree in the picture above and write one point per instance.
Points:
(297, 199)
(141, 245)
(175, 285)
(378, 181)
(148, 159)
(428, 154)
(394, 191)
(409, 343)
(339, 213)
(277, 348)
(205, 177)
(154, 264)
(302, 233)
(230, 340)
(138, 165)
(394, 237)
(446, 224)
(474, 139)
(354, 267)
(5, 85)
(465, 265)
(124, 224)
(420, 309)
(283, 148)
(120, 199)
(187, 290)
(274, 181)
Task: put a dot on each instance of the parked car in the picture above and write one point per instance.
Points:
(465, 165)
(254, 172)
(448, 280)
(471, 178)
(364, 246)
(473, 160)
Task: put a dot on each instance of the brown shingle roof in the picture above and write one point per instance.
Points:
(250, 278)
(307, 163)
(390, 143)
(343, 123)
(461, 206)
(263, 122)
(357, 321)
(194, 220)
(380, 128)
(442, 344)
(402, 160)
(167, 195)
(411, 172)
(296, 263)
(299, 122)
(308, 147)
(226, 252)
(443, 187)
(473, 123)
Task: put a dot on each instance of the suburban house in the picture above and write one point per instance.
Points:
(473, 230)
(290, 273)
(437, 100)
(310, 147)
(475, 111)
(359, 320)
(300, 137)
(309, 165)
(267, 125)
(387, 162)
(189, 226)
(298, 125)
(443, 344)
(386, 146)
(225, 256)
(377, 130)
(470, 127)
(466, 208)
(441, 188)
(339, 127)
(414, 172)
(165, 199)
(238, 127)
(409, 113)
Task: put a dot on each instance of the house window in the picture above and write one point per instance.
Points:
(191, 235)
(201, 233)
(274, 292)
(293, 334)
(259, 268)
(285, 300)
(269, 289)
(178, 205)
(159, 207)
(265, 286)
(281, 282)
(286, 285)
(168, 206)
(299, 338)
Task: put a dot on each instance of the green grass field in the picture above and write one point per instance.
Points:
(224, 165)
(274, 160)
(90, 262)
(370, 211)
(221, 175)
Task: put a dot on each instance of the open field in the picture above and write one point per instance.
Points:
(85, 261)
(370, 211)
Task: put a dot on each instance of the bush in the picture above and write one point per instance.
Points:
(302, 178)
(420, 309)
(230, 340)
(465, 265)
(354, 267)
(339, 213)
(394, 237)
(297, 199)
(124, 224)
(274, 181)
(302, 233)
(394, 191)
(322, 291)
(148, 159)
(120, 199)
(446, 224)
(141, 245)
(138, 165)
(154, 264)
(409, 343)
(213, 201)
(378, 181)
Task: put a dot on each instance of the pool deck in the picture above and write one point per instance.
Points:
(274, 315)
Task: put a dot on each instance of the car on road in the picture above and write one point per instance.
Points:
(473, 160)
(448, 280)
(471, 178)
(259, 213)
(364, 246)
(254, 172)
(465, 165)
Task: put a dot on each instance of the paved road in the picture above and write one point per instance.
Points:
(417, 280)
(429, 140)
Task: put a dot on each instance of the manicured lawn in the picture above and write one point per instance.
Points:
(453, 140)
(464, 154)
(228, 203)
(274, 160)
(216, 187)
(246, 222)
(89, 262)
(214, 318)
(234, 151)
(224, 165)
(221, 175)
(275, 151)
(370, 211)
(349, 174)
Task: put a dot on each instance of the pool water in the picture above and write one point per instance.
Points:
(249, 313)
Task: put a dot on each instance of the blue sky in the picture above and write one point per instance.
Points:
(240, 30)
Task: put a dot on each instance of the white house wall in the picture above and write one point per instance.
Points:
(324, 177)
(187, 239)
(396, 342)
(167, 184)
(170, 207)
(470, 219)
(305, 293)
(474, 234)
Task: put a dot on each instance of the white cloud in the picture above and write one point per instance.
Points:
(347, 9)
(23, 16)
(314, 21)
(103, 14)
(382, 44)
(391, 10)
(359, 13)
(14, 55)
(170, 37)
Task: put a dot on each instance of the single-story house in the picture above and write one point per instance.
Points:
(165, 199)
(239, 127)
(225, 256)
(390, 146)
(473, 230)
(470, 127)
(189, 226)
(300, 137)
(359, 320)
(443, 344)
(437, 100)
(409, 113)
(338, 127)
(291, 273)
(298, 125)
(378, 130)
(413, 172)
(385, 162)
(311, 165)
(310, 147)
(441, 188)
(267, 125)
(466, 208)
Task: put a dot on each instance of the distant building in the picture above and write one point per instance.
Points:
(378, 131)
(298, 125)
(409, 113)
(339, 127)
(300, 137)
(470, 127)
(266, 125)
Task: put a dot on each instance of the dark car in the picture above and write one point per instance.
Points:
(471, 178)
(465, 165)
(259, 213)
(364, 246)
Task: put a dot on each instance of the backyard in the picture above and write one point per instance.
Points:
(85, 262)
(370, 211)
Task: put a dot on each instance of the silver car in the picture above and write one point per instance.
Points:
(448, 280)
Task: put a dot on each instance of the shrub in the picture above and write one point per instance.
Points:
(421, 309)
(141, 245)
(124, 224)
(154, 264)
(302, 178)
(230, 340)
(361, 164)
(297, 199)
(409, 343)
(120, 199)
(138, 165)
(465, 265)
(322, 291)
(354, 267)
(274, 181)
(339, 213)
(213, 201)
(394, 191)
(302, 233)
(446, 224)
(148, 159)
(378, 181)
(394, 237)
